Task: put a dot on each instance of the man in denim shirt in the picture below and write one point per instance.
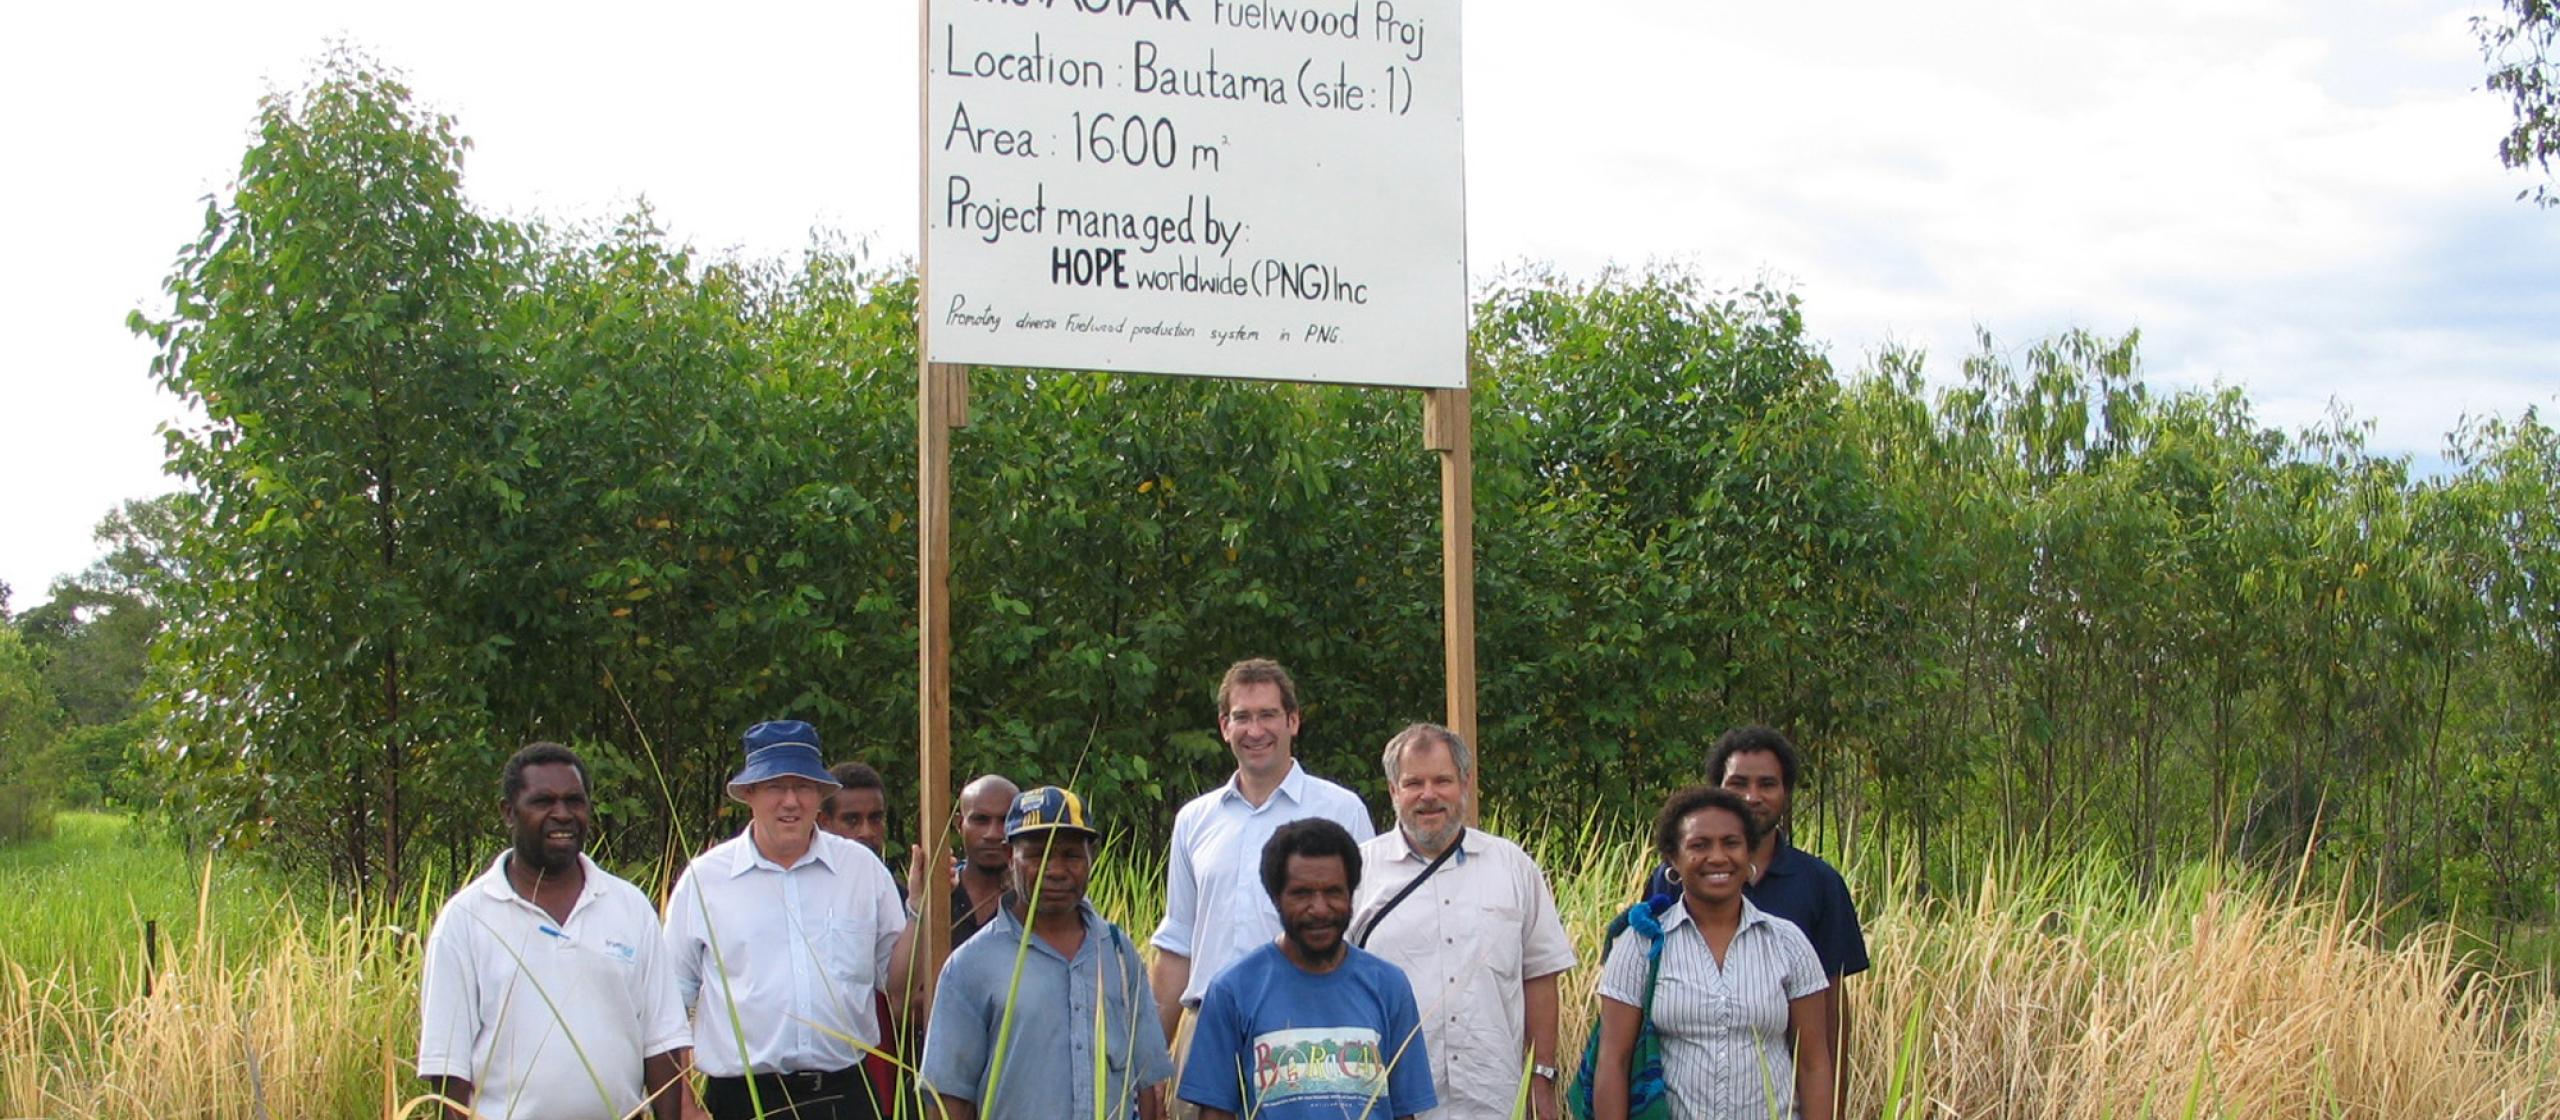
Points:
(1023, 1006)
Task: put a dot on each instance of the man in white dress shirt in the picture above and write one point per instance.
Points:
(779, 939)
(1215, 909)
(1469, 918)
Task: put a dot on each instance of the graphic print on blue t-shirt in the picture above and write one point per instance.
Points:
(1340, 1065)
(1276, 1042)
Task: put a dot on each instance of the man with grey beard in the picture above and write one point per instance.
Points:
(1469, 918)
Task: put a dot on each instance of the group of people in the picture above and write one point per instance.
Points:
(1305, 966)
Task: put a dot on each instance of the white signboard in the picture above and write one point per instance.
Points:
(1234, 188)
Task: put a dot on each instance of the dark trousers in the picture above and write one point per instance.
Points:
(842, 1095)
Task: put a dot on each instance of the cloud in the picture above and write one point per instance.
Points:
(2299, 198)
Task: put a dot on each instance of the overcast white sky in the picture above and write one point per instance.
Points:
(2300, 198)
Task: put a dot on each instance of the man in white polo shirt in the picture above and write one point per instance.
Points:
(546, 994)
(778, 939)
(1215, 909)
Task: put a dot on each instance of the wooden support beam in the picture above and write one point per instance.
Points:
(942, 405)
(1448, 429)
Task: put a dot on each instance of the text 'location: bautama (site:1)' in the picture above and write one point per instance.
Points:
(1245, 189)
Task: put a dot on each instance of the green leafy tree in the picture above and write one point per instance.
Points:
(27, 720)
(339, 324)
(94, 633)
(1654, 415)
(464, 483)
(2508, 828)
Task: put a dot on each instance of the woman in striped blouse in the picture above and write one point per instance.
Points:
(1738, 1001)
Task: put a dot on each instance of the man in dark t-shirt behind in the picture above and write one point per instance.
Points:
(1786, 881)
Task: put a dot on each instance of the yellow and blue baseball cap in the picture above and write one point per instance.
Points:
(1046, 809)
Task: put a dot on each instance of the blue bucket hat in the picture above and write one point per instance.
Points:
(783, 748)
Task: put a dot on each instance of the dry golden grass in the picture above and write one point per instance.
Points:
(2076, 999)
(316, 1025)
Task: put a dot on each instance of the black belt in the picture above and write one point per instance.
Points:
(800, 1082)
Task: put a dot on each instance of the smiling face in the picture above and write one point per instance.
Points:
(1429, 795)
(550, 818)
(1713, 856)
(1259, 729)
(785, 810)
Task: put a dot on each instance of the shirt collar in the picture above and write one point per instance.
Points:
(1405, 849)
(750, 857)
(495, 884)
(1752, 915)
(1678, 915)
(1782, 861)
(1004, 926)
(1294, 784)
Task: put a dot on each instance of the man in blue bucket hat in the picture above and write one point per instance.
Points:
(779, 939)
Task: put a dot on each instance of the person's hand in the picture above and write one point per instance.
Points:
(1544, 1099)
(915, 875)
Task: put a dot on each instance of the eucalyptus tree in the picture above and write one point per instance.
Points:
(338, 323)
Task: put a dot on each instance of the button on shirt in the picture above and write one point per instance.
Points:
(1467, 938)
(525, 1008)
(797, 954)
(1723, 1028)
(1215, 910)
(1048, 1064)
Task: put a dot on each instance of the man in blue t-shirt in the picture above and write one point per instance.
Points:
(1309, 1027)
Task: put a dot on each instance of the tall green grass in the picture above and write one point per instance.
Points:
(257, 1007)
(2040, 990)
(75, 906)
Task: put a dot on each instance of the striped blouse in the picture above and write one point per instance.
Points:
(1723, 1029)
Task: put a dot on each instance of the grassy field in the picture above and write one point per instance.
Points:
(2041, 991)
(263, 1004)
(81, 898)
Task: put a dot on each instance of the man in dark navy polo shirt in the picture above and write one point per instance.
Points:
(1786, 881)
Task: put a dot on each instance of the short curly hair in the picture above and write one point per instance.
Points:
(1755, 739)
(1314, 838)
(1666, 825)
(511, 779)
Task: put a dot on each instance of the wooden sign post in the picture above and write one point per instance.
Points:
(1448, 427)
(942, 406)
(1273, 192)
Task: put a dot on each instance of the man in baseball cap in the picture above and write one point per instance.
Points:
(809, 927)
(1081, 989)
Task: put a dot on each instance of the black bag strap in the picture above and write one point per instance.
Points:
(1409, 887)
